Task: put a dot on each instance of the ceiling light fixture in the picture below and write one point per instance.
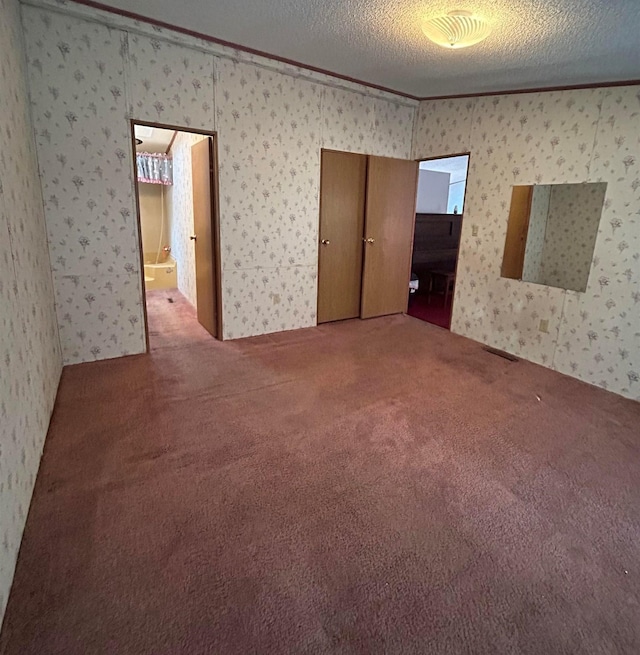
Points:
(457, 29)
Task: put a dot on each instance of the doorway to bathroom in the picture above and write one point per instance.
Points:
(440, 199)
(177, 203)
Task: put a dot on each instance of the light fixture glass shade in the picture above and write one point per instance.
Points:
(457, 29)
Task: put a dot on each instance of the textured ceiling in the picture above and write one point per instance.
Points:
(158, 141)
(535, 43)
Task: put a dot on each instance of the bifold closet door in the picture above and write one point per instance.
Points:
(389, 225)
(342, 196)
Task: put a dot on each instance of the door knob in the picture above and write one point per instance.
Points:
(193, 237)
(369, 240)
(325, 242)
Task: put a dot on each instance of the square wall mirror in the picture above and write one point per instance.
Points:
(551, 234)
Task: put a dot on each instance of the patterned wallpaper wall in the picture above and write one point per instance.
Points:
(78, 95)
(532, 267)
(541, 138)
(91, 71)
(179, 206)
(30, 361)
(572, 227)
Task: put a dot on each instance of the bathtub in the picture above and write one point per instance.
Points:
(161, 276)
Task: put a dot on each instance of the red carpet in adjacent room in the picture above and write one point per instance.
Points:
(364, 487)
(434, 311)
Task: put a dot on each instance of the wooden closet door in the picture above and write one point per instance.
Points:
(389, 225)
(342, 196)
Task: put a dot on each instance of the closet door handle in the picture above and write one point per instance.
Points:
(369, 240)
(325, 242)
(193, 237)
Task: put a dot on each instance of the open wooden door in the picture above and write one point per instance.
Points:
(517, 231)
(388, 235)
(343, 181)
(202, 170)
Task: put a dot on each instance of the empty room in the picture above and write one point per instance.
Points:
(262, 389)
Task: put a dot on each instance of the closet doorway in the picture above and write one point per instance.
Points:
(438, 223)
(367, 207)
(175, 173)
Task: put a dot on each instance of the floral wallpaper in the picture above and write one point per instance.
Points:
(89, 77)
(542, 138)
(599, 338)
(532, 267)
(78, 95)
(169, 84)
(572, 227)
(179, 212)
(269, 185)
(29, 345)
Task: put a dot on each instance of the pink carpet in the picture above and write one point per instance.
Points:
(434, 311)
(377, 486)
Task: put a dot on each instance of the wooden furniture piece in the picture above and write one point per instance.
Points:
(442, 279)
(367, 209)
(436, 242)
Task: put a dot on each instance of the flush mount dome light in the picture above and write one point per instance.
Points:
(457, 29)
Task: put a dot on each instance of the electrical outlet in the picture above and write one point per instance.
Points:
(544, 325)
(474, 230)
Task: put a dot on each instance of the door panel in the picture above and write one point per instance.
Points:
(342, 197)
(517, 230)
(389, 226)
(203, 220)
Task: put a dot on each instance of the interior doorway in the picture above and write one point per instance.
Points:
(175, 173)
(440, 199)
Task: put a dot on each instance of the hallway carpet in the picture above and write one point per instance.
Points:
(376, 486)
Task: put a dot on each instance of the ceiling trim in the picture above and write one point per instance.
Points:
(540, 89)
(236, 46)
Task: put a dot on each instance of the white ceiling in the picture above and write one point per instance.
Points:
(535, 43)
(455, 166)
(158, 141)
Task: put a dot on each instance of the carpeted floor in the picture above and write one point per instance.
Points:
(378, 486)
(434, 310)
